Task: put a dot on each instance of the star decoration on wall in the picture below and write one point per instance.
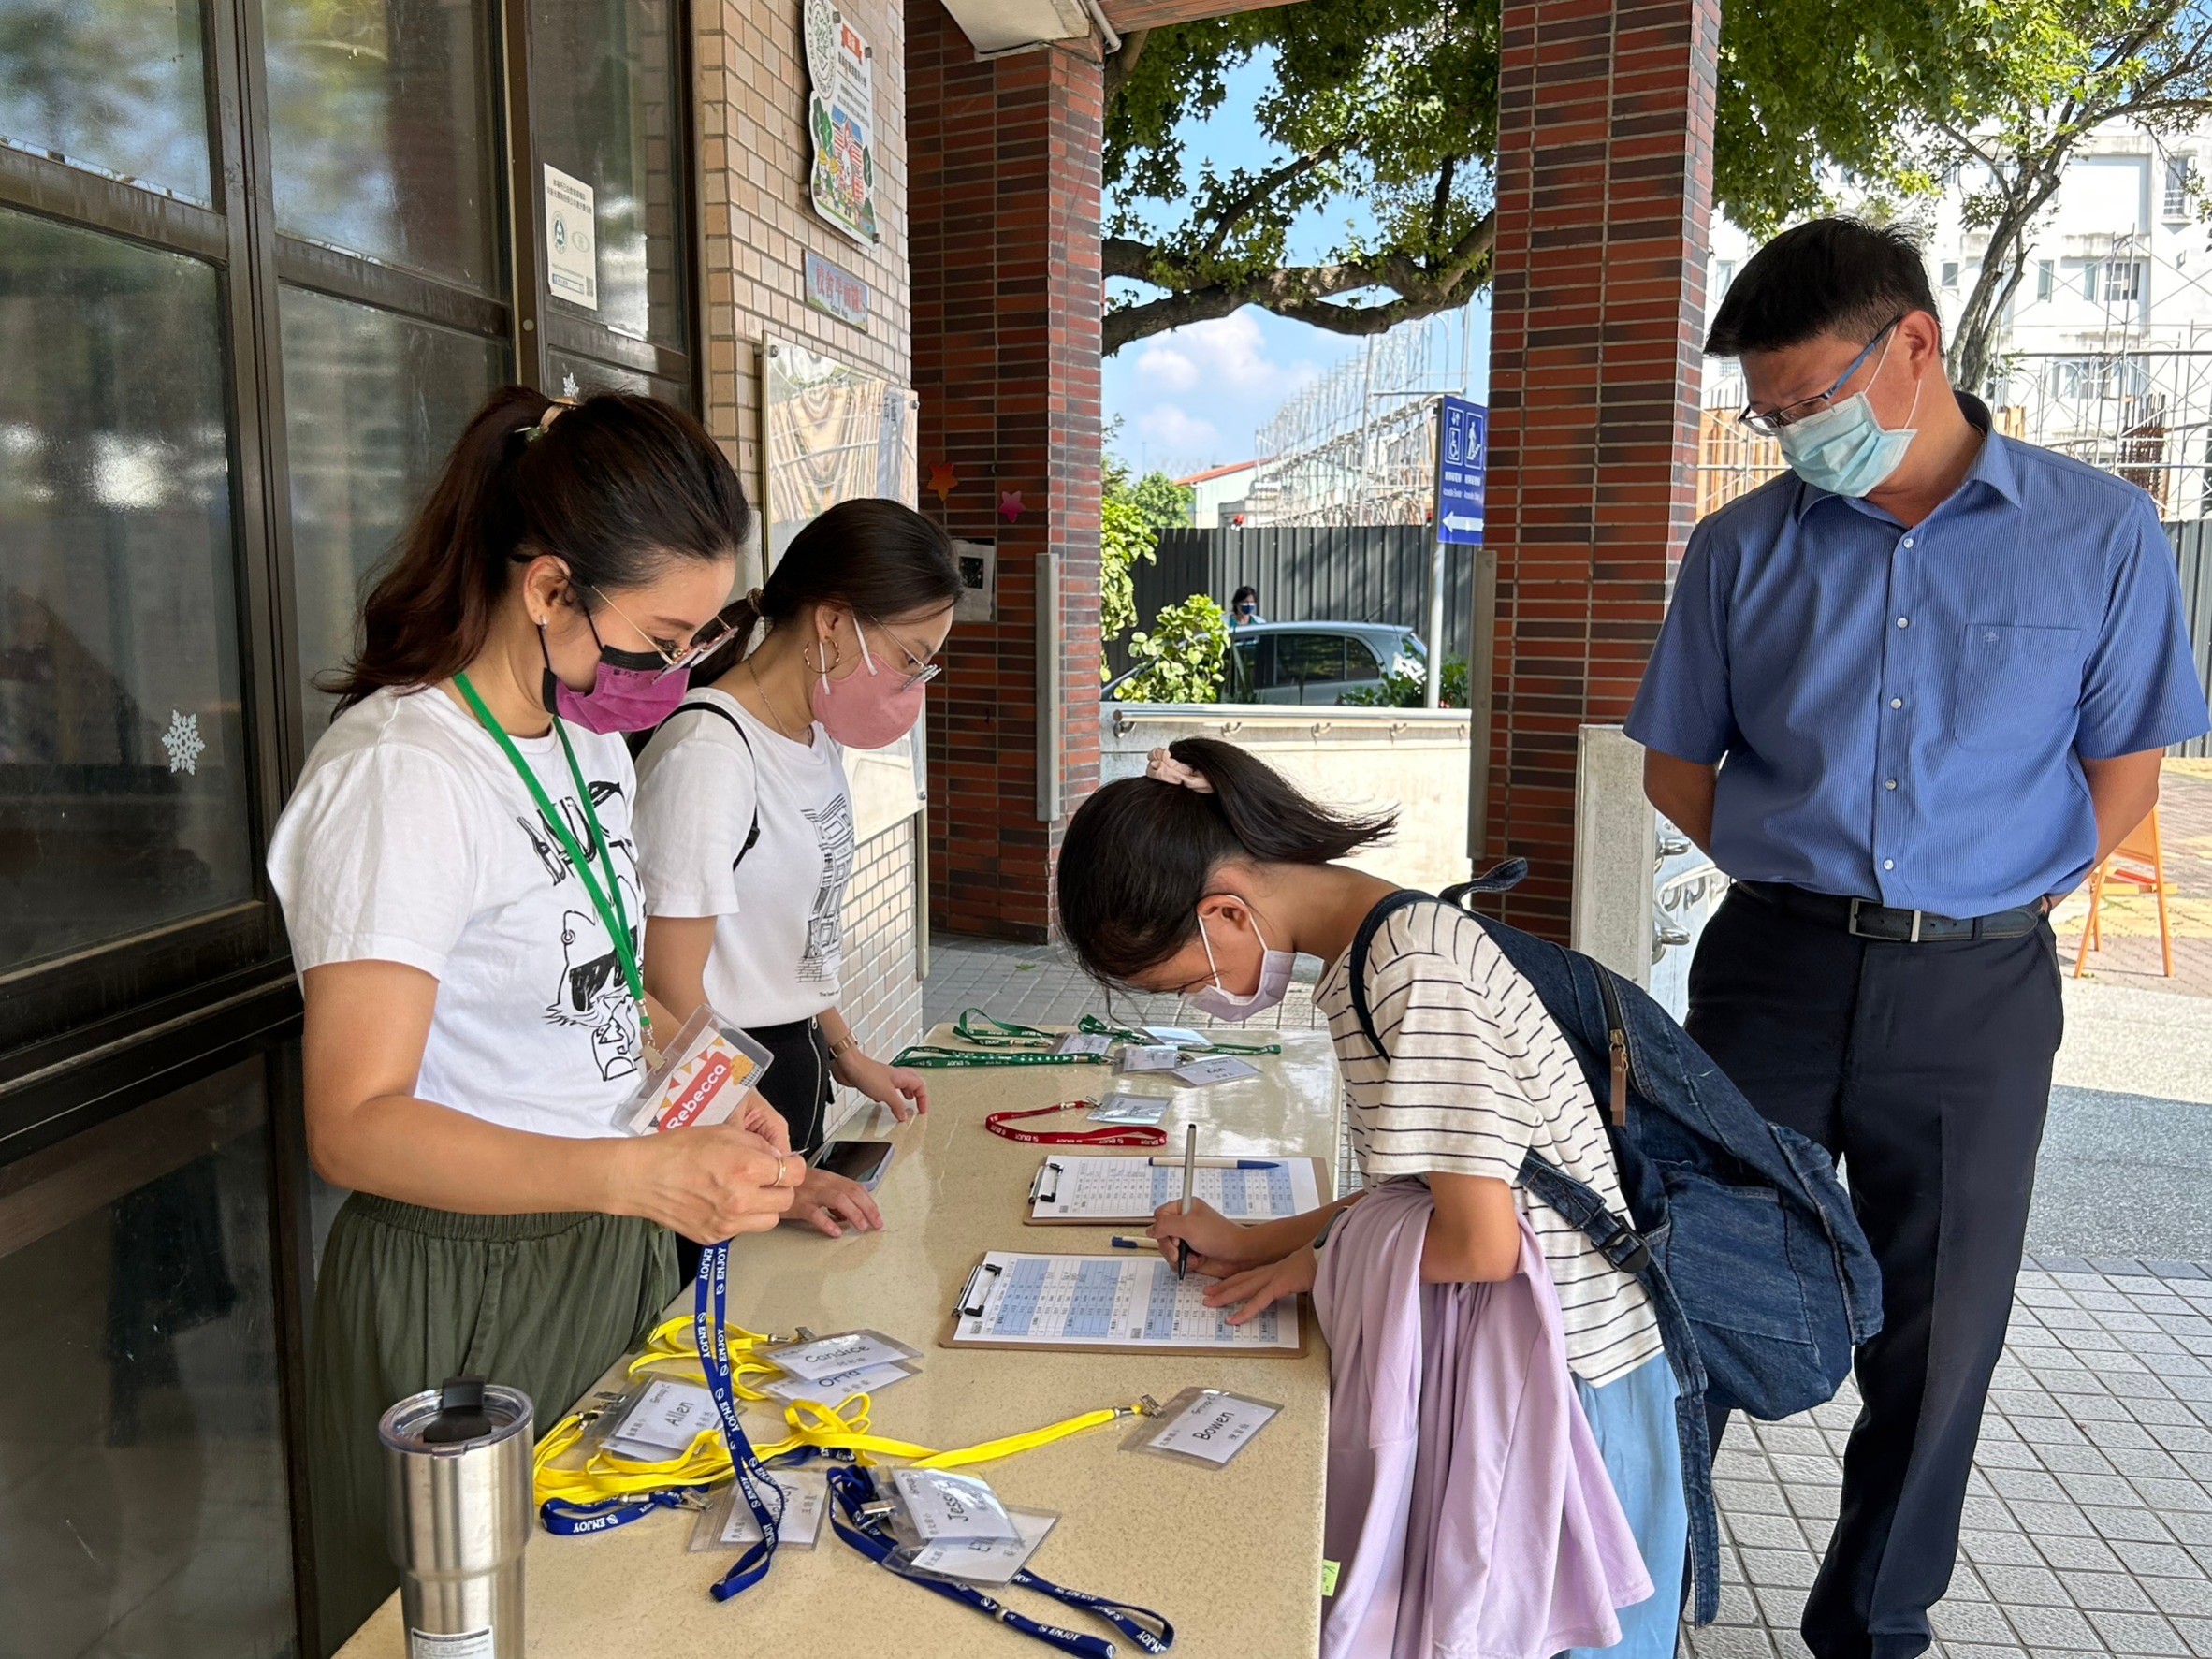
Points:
(944, 478)
(1010, 505)
(183, 740)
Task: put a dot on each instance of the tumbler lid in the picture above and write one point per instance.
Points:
(465, 1413)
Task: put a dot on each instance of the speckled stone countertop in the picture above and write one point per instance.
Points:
(1232, 1556)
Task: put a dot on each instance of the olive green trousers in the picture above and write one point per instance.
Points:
(409, 1296)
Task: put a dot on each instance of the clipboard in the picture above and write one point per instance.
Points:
(1295, 1308)
(1323, 1180)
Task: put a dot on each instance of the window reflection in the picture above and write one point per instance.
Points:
(145, 1501)
(372, 402)
(606, 111)
(115, 88)
(123, 766)
(380, 115)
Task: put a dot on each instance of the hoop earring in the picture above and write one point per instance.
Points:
(823, 672)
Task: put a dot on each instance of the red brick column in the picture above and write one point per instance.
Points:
(1604, 184)
(1004, 219)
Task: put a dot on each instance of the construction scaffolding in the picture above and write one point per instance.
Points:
(1358, 445)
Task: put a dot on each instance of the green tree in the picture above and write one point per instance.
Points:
(1182, 655)
(1391, 106)
(1164, 503)
(2073, 66)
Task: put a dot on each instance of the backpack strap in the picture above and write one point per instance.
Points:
(1497, 879)
(720, 713)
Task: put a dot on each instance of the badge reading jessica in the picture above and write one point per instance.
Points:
(702, 1077)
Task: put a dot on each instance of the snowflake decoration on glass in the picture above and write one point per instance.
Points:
(569, 387)
(183, 740)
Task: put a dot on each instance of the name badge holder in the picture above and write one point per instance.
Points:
(702, 1077)
(1207, 1427)
(861, 1516)
(728, 1524)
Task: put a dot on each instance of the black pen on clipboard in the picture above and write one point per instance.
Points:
(1190, 1179)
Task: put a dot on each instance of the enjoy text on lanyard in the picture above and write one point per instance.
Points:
(606, 901)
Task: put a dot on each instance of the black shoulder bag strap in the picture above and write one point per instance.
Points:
(720, 713)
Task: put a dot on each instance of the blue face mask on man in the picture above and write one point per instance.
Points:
(1843, 449)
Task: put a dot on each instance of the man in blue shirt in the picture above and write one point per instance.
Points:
(1907, 695)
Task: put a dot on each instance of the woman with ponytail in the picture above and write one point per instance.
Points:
(746, 824)
(459, 881)
(1207, 877)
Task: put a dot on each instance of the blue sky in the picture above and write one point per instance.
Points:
(1193, 396)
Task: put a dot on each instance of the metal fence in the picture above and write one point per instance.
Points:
(2193, 548)
(1346, 573)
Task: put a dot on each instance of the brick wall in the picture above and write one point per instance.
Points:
(883, 995)
(1005, 223)
(758, 222)
(1605, 178)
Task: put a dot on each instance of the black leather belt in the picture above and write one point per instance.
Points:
(1862, 918)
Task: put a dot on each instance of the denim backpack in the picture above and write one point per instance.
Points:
(1745, 1220)
(1737, 1228)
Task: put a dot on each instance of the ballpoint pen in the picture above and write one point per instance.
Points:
(1190, 1179)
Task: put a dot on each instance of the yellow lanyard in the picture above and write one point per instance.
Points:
(842, 1428)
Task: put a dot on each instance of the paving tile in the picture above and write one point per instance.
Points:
(2126, 1634)
(1989, 1513)
(2134, 1526)
(2169, 1495)
(1722, 1642)
(1736, 1607)
(2191, 1598)
(1772, 1532)
(1749, 1497)
(1781, 1607)
(1778, 1568)
(2110, 1592)
(1983, 1651)
(2089, 1554)
(1815, 1503)
(2053, 1628)
(2197, 1633)
(1987, 1547)
(2191, 1527)
(2062, 1520)
(2156, 1560)
(1969, 1622)
(2032, 1485)
(2099, 1489)
(2025, 1586)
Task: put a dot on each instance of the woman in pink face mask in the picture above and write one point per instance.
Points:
(745, 824)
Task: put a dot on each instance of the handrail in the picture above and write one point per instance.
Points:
(1232, 716)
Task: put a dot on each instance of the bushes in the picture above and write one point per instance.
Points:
(1181, 658)
(1411, 690)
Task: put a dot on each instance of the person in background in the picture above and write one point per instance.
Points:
(745, 822)
(457, 877)
(1205, 879)
(1244, 608)
(1907, 695)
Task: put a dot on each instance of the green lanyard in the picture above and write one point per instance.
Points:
(1007, 1042)
(608, 903)
(1091, 1024)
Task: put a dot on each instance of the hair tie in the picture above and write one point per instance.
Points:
(753, 597)
(1166, 768)
(554, 411)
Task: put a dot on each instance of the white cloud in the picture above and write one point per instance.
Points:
(1223, 355)
(1172, 431)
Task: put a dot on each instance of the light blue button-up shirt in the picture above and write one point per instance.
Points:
(1902, 714)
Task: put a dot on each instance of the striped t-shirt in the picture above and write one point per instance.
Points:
(1477, 1076)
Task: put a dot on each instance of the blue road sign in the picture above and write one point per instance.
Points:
(1461, 445)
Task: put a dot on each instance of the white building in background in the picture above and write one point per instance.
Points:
(2105, 349)
(1217, 494)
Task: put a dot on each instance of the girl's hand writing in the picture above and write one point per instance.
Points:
(1260, 1287)
(1217, 1245)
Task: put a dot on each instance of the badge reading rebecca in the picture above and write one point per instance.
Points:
(702, 1077)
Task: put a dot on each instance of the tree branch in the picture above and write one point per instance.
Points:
(1230, 214)
(1118, 67)
(1443, 201)
(1301, 292)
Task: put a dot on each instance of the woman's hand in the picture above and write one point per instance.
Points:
(825, 1199)
(707, 1183)
(1260, 1287)
(1218, 1246)
(763, 1120)
(897, 1086)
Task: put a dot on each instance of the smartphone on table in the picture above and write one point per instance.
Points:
(863, 1161)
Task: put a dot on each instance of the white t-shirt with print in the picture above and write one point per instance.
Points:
(412, 839)
(778, 947)
(1478, 1075)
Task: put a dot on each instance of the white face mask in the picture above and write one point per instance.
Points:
(1275, 983)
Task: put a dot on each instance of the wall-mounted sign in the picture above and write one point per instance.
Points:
(572, 240)
(835, 290)
(978, 563)
(841, 121)
(1462, 428)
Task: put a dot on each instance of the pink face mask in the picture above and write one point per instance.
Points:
(872, 709)
(632, 691)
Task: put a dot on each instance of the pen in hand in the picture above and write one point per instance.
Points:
(1190, 1177)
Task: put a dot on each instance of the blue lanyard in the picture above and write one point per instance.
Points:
(753, 1482)
(850, 1492)
(580, 1520)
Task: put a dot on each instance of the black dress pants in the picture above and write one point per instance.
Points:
(1926, 1069)
(799, 1085)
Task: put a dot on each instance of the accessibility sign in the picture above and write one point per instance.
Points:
(1462, 432)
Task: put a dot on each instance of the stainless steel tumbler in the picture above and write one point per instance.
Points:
(457, 1482)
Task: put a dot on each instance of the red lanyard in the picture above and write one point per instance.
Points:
(1000, 1122)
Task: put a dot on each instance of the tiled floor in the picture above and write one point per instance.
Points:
(2088, 1528)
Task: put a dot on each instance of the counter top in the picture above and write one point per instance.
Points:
(1231, 1556)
